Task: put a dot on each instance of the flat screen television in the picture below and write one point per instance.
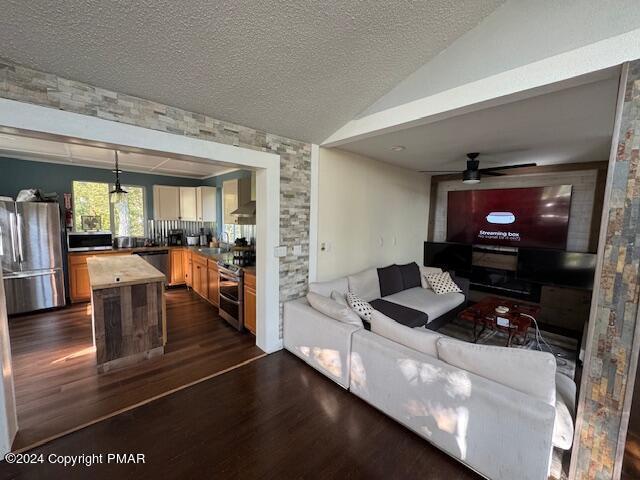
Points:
(448, 256)
(568, 269)
(517, 217)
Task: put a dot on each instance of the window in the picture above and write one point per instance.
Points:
(123, 219)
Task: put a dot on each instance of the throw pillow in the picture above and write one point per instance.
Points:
(410, 275)
(442, 283)
(424, 271)
(339, 297)
(390, 280)
(362, 308)
(527, 371)
(333, 309)
(419, 339)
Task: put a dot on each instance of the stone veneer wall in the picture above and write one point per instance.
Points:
(31, 86)
(611, 352)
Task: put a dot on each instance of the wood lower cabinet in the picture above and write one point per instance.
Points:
(250, 302)
(200, 280)
(177, 266)
(187, 267)
(214, 282)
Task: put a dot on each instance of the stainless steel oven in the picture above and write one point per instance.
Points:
(231, 294)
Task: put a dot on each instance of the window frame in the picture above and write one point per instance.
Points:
(111, 186)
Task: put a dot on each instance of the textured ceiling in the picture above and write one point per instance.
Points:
(570, 125)
(297, 68)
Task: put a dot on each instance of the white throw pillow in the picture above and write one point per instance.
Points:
(339, 297)
(418, 339)
(424, 271)
(325, 288)
(362, 308)
(442, 283)
(365, 284)
(333, 309)
(527, 371)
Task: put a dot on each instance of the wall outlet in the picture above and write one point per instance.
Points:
(325, 247)
(280, 251)
(297, 249)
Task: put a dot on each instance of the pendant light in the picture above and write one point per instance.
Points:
(117, 194)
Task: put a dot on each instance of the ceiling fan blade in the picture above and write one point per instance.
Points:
(508, 167)
(440, 171)
(493, 174)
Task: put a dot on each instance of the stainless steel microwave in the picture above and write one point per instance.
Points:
(88, 241)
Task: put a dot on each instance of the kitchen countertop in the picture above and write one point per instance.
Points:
(129, 269)
(125, 250)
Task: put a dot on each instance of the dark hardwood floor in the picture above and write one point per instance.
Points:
(273, 418)
(57, 385)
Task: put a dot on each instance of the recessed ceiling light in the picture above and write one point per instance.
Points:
(398, 148)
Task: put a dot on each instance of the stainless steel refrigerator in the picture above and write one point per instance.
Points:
(31, 253)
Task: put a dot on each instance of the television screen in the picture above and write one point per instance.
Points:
(448, 256)
(515, 217)
(569, 269)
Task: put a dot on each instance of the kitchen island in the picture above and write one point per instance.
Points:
(128, 310)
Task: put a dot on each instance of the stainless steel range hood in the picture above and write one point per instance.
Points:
(246, 210)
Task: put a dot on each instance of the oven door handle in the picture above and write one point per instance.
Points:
(231, 278)
(229, 299)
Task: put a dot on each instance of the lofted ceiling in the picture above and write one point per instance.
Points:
(297, 68)
(36, 149)
(570, 125)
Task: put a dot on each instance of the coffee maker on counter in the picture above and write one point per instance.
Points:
(176, 238)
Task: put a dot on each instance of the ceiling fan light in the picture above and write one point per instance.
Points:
(471, 177)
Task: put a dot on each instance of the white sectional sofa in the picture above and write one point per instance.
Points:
(498, 410)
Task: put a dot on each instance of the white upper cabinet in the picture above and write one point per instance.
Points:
(184, 203)
(166, 202)
(206, 204)
(229, 200)
(188, 209)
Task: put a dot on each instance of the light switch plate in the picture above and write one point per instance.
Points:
(280, 251)
(297, 249)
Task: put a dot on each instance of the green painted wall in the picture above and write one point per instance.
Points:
(16, 175)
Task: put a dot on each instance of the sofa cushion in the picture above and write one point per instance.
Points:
(442, 283)
(563, 425)
(407, 316)
(527, 371)
(359, 306)
(333, 309)
(365, 284)
(427, 301)
(325, 288)
(567, 389)
(339, 297)
(419, 339)
(390, 280)
(424, 271)
(410, 275)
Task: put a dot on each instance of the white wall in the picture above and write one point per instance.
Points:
(8, 416)
(370, 213)
(580, 214)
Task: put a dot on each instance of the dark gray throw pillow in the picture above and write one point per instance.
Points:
(390, 279)
(410, 275)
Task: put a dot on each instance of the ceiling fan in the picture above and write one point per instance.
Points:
(472, 173)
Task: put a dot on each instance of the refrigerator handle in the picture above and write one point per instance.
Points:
(20, 259)
(12, 229)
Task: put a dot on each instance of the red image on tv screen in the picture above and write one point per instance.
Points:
(516, 217)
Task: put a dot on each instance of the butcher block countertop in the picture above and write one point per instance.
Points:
(109, 271)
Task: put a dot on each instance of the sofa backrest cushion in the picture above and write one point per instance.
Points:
(390, 280)
(333, 309)
(365, 284)
(424, 271)
(528, 371)
(340, 285)
(410, 275)
(419, 339)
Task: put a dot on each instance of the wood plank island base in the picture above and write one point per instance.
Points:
(128, 310)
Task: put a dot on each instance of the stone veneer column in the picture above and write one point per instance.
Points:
(612, 349)
(31, 86)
